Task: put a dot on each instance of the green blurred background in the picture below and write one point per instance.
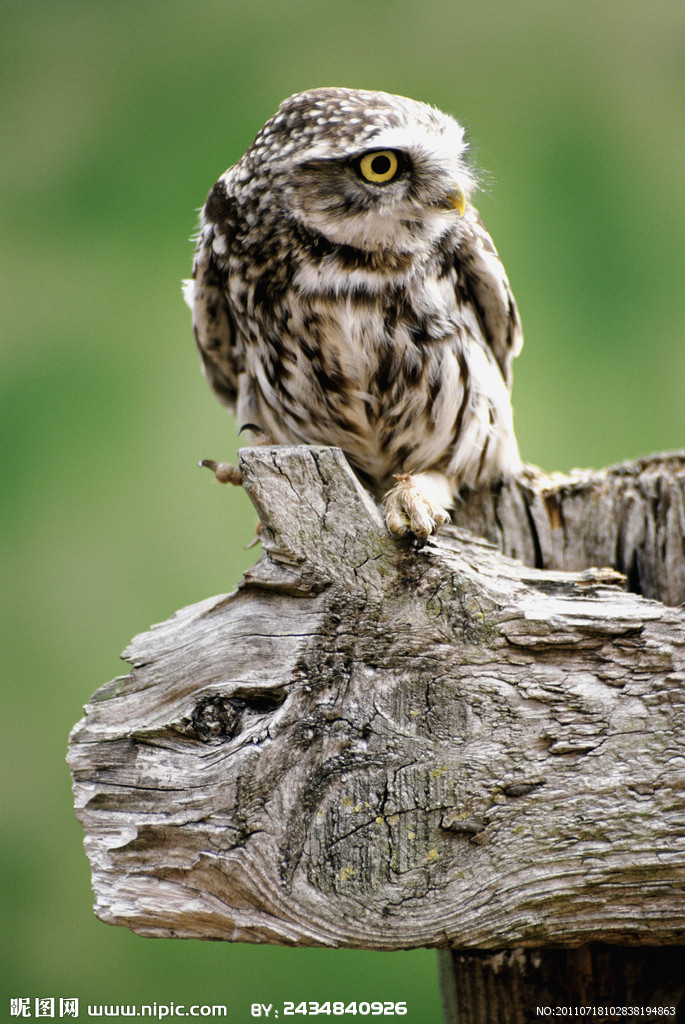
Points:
(116, 118)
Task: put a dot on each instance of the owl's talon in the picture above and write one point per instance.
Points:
(257, 539)
(224, 472)
(261, 438)
(409, 513)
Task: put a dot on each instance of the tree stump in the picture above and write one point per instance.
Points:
(369, 745)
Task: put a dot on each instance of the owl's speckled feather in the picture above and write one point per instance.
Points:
(360, 302)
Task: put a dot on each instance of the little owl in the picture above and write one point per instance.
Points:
(345, 292)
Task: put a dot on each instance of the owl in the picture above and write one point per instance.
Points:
(345, 292)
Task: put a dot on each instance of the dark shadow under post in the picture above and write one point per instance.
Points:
(518, 986)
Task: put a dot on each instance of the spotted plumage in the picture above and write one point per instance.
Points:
(346, 292)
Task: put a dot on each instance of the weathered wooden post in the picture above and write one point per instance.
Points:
(371, 746)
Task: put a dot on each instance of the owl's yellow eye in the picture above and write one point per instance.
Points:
(379, 166)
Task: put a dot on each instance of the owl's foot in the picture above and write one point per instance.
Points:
(411, 511)
(224, 472)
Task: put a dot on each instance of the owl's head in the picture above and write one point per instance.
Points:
(365, 169)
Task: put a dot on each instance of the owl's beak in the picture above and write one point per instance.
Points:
(455, 200)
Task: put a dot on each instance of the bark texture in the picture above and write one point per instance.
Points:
(630, 516)
(371, 746)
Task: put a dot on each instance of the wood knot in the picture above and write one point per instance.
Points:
(466, 826)
(521, 788)
(217, 717)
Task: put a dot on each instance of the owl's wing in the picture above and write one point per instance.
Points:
(481, 274)
(213, 323)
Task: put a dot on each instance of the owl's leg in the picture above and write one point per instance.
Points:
(417, 505)
(224, 472)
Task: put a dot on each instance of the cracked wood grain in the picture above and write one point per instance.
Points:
(366, 745)
(630, 516)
